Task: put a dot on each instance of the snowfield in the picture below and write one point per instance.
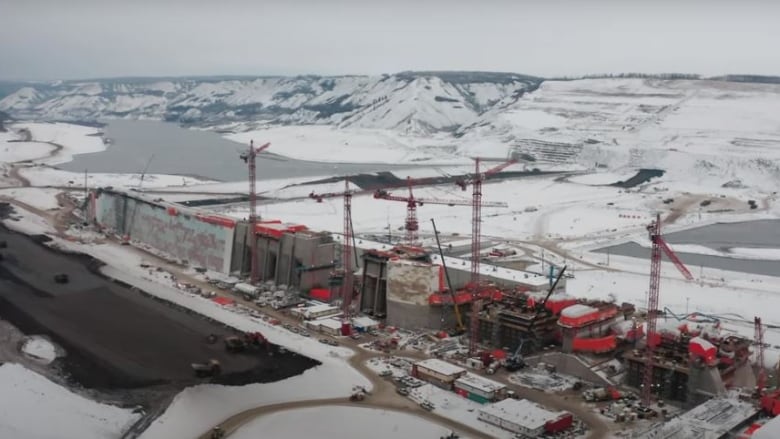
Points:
(74, 139)
(329, 423)
(350, 145)
(33, 407)
(44, 199)
(45, 176)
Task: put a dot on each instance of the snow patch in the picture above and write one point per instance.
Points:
(40, 349)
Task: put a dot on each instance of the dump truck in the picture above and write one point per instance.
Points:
(601, 394)
(207, 369)
(235, 344)
(248, 291)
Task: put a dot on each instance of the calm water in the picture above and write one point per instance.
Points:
(181, 151)
(755, 234)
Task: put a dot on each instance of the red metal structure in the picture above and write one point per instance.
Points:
(346, 253)
(411, 225)
(476, 231)
(761, 381)
(654, 231)
(249, 158)
(464, 183)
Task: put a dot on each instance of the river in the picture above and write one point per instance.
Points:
(199, 153)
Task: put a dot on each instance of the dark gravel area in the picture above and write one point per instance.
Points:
(115, 336)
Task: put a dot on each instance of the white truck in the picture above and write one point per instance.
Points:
(249, 291)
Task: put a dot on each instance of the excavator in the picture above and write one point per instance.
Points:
(460, 328)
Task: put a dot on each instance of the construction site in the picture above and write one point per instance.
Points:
(470, 313)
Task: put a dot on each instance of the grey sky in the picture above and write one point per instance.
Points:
(51, 39)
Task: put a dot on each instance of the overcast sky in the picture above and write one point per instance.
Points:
(64, 39)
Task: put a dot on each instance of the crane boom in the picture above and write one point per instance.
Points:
(673, 257)
(464, 182)
(458, 320)
(384, 195)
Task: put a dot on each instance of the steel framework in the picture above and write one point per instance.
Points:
(658, 246)
(346, 252)
(249, 157)
(761, 381)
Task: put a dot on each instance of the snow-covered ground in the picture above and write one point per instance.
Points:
(45, 176)
(33, 407)
(74, 139)
(329, 422)
(352, 145)
(40, 348)
(44, 199)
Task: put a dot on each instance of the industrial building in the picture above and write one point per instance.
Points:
(437, 372)
(525, 417)
(330, 326)
(479, 389)
(691, 369)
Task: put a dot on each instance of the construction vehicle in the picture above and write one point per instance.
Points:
(210, 368)
(515, 362)
(357, 397)
(61, 278)
(452, 435)
(601, 394)
(427, 405)
(235, 344)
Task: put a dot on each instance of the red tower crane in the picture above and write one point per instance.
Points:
(476, 230)
(654, 231)
(463, 183)
(248, 157)
(761, 381)
(411, 225)
(346, 252)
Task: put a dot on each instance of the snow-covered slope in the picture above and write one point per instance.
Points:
(33, 407)
(413, 102)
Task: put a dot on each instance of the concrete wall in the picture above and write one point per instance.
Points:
(373, 295)
(285, 260)
(411, 282)
(178, 232)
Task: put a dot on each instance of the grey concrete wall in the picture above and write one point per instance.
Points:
(411, 316)
(177, 231)
(281, 260)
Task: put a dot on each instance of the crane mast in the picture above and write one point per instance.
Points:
(761, 381)
(249, 157)
(476, 229)
(659, 246)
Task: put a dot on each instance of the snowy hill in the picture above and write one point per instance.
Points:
(409, 102)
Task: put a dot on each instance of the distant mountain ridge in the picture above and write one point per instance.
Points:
(412, 102)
